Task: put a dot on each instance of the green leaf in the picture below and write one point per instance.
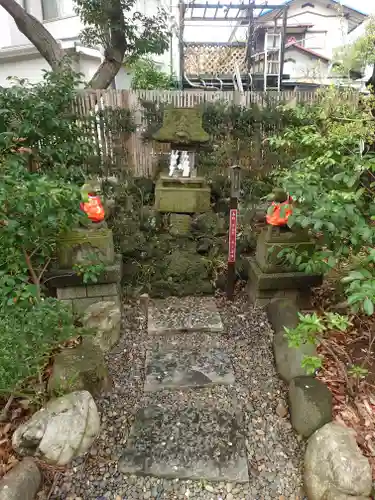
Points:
(368, 307)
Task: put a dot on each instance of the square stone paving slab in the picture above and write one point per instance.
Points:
(175, 364)
(190, 443)
(183, 314)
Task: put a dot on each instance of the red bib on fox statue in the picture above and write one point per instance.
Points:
(93, 208)
(279, 213)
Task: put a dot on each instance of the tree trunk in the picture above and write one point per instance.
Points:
(34, 30)
(105, 74)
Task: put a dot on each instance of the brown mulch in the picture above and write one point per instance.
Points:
(353, 399)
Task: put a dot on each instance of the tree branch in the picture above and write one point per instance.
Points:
(115, 52)
(34, 30)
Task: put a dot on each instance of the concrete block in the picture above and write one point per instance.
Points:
(182, 195)
(100, 290)
(62, 278)
(281, 281)
(71, 292)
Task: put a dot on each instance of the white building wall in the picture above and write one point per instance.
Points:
(302, 67)
(329, 29)
(30, 68)
(67, 29)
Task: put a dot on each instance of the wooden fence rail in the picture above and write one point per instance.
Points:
(133, 152)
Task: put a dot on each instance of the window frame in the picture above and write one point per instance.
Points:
(59, 17)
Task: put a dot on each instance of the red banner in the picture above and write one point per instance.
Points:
(232, 235)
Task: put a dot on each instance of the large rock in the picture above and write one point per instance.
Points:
(334, 494)
(289, 359)
(334, 465)
(22, 482)
(104, 319)
(284, 313)
(310, 405)
(61, 431)
(80, 368)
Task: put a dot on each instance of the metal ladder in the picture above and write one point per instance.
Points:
(272, 59)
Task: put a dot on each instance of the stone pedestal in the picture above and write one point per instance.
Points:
(69, 287)
(269, 277)
(183, 195)
(82, 244)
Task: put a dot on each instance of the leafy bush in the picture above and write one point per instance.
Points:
(146, 76)
(330, 175)
(28, 334)
(40, 117)
(34, 210)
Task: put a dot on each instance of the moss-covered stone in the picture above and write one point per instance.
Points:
(209, 224)
(182, 126)
(78, 246)
(182, 195)
(80, 368)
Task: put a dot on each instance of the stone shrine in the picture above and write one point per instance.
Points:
(182, 193)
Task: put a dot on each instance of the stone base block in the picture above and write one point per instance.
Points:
(263, 287)
(61, 278)
(272, 241)
(182, 195)
(79, 305)
(180, 223)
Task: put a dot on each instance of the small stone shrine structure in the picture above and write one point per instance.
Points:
(182, 193)
(270, 276)
(92, 242)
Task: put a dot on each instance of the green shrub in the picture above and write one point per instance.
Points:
(28, 333)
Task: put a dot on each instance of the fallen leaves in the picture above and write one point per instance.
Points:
(353, 400)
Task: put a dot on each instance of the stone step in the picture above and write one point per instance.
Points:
(197, 360)
(183, 314)
(190, 442)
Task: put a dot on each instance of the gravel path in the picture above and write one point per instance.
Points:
(274, 452)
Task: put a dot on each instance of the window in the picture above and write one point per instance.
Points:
(57, 9)
(308, 4)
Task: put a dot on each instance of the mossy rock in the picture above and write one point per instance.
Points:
(209, 224)
(182, 126)
(183, 265)
(80, 368)
(78, 246)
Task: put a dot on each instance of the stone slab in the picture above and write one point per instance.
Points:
(280, 281)
(191, 443)
(170, 365)
(183, 314)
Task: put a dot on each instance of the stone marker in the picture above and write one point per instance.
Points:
(104, 319)
(334, 465)
(310, 405)
(63, 430)
(176, 365)
(22, 482)
(182, 314)
(189, 443)
(80, 368)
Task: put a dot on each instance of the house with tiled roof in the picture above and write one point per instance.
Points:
(267, 45)
(314, 30)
